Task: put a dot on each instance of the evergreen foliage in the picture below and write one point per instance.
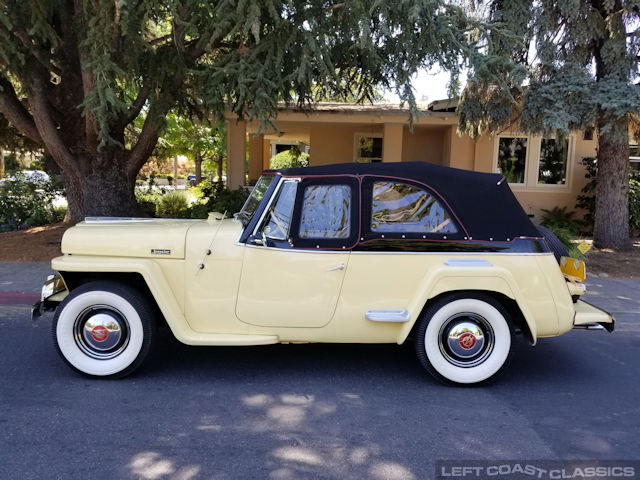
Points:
(74, 76)
(568, 65)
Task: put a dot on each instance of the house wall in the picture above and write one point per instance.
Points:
(425, 144)
(434, 139)
(534, 197)
(335, 143)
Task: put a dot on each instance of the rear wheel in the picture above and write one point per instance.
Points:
(104, 329)
(464, 338)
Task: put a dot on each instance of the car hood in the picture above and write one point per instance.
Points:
(128, 237)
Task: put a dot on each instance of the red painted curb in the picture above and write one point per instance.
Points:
(18, 298)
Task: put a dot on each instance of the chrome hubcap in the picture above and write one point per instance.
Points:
(466, 339)
(101, 332)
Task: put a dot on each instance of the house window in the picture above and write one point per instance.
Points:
(533, 162)
(399, 207)
(368, 148)
(552, 168)
(512, 158)
(326, 212)
(634, 156)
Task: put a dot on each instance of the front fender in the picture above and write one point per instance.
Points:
(152, 275)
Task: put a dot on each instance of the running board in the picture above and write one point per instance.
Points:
(229, 339)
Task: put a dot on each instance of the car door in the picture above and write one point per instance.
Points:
(295, 261)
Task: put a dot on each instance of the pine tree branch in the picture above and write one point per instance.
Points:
(88, 84)
(136, 106)
(150, 133)
(39, 54)
(43, 119)
(16, 113)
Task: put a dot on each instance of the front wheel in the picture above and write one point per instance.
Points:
(104, 329)
(464, 338)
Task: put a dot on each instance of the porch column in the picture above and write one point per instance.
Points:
(392, 142)
(266, 154)
(236, 153)
(255, 157)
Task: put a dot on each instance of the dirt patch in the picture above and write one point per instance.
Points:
(37, 244)
(612, 263)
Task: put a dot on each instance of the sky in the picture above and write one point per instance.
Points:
(429, 86)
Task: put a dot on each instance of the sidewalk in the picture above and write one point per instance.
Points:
(20, 284)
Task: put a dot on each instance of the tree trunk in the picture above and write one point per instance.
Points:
(103, 188)
(219, 168)
(1, 163)
(611, 229)
(197, 158)
(175, 171)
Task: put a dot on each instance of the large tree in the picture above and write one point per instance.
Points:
(567, 65)
(75, 73)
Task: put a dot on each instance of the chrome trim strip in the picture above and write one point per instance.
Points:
(387, 315)
(454, 262)
(372, 252)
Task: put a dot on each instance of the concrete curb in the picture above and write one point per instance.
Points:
(19, 298)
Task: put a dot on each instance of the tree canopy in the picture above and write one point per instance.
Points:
(75, 75)
(567, 65)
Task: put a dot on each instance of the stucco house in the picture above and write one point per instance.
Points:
(542, 172)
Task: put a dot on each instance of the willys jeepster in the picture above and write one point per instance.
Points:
(349, 253)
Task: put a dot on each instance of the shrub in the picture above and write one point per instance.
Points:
(25, 204)
(215, 197)
(147, 202)
(173, 205)
(560, 218)
(587, 199)
(292, 158)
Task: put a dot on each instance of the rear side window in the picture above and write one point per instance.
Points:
(326, 212)
(400, 207)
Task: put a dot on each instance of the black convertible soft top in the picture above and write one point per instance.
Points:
(483, 202)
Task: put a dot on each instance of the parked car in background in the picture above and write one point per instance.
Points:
(351, 253)
(32, 176)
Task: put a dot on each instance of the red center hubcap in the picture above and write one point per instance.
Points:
(467, 341)
(99, 333)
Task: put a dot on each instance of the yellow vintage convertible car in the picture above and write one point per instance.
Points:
(357, 253)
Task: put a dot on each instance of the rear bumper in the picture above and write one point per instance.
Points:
(590, 317)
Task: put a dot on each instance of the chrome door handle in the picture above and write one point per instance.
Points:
(337, 267)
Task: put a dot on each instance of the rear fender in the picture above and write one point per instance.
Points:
(448, 280)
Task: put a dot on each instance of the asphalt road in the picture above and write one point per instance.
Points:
(308, 411)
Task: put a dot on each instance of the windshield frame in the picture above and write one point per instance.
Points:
(257, 195)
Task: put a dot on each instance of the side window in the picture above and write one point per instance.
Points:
(326, 212)
(399, 207)
(279, 218)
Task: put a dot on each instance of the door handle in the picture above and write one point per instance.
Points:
(337, 267)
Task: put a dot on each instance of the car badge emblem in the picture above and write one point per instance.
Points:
(467, 341)
(99, 333)
(160, 251)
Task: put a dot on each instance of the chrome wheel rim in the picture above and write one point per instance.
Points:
(466, 339)
(101, 332)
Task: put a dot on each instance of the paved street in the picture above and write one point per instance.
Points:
(308, 411)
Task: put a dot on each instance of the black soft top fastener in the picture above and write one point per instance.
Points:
(483, 202)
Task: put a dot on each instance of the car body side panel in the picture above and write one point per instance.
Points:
(211, 291)
(290, 288)
(559, 296)
(402, 281)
